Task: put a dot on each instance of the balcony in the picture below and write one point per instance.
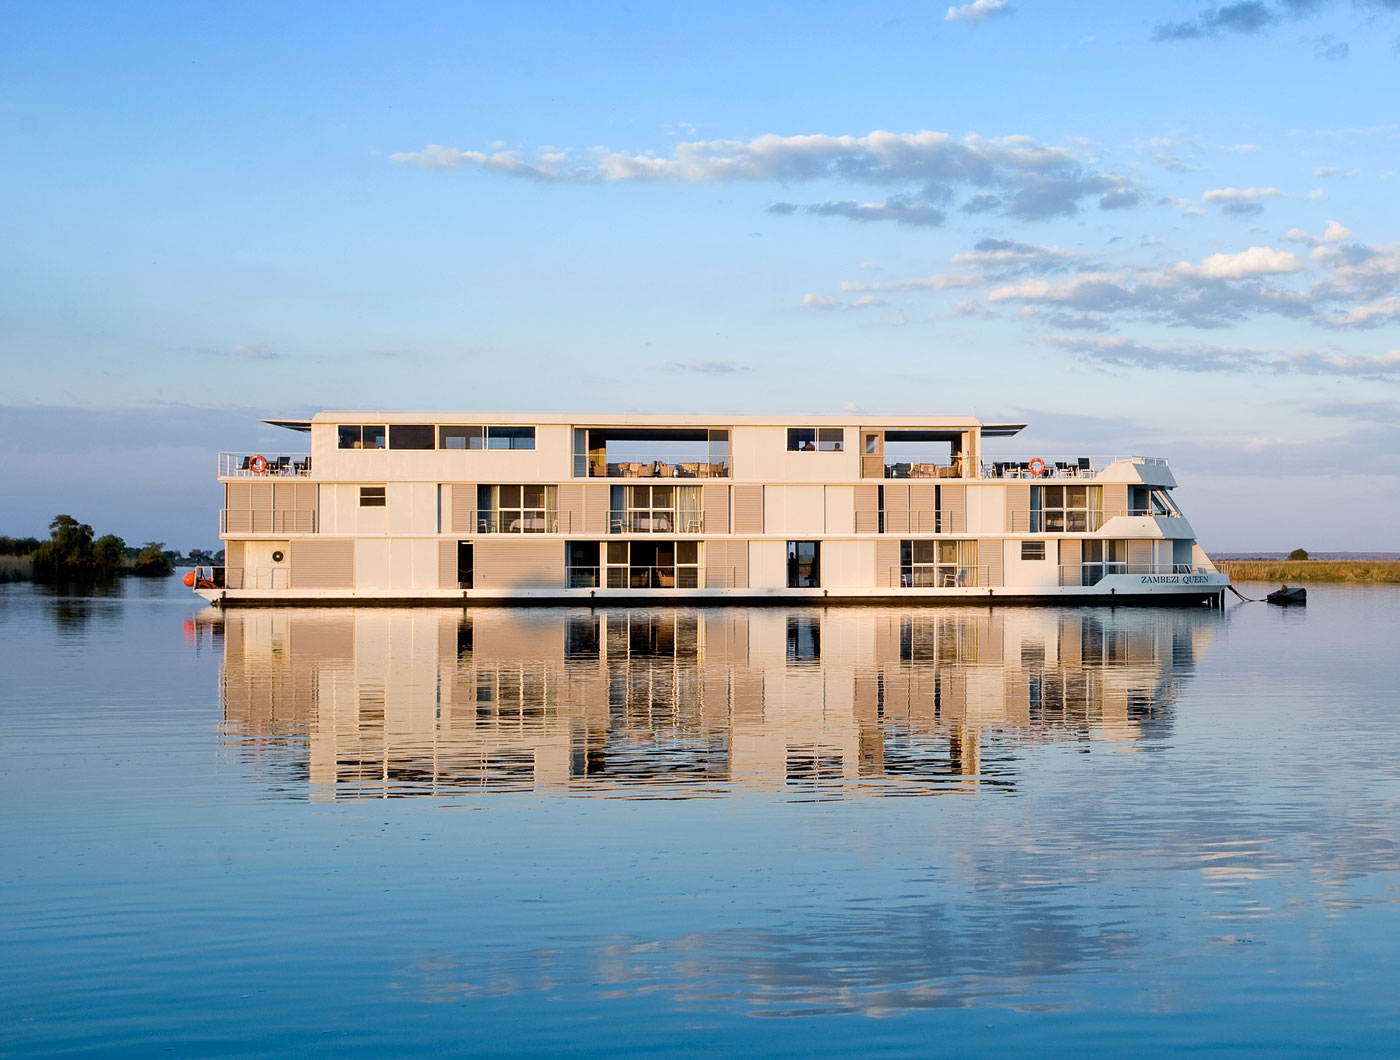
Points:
(1069, 520)
(264, 465)
(937, 576)
(518, 521)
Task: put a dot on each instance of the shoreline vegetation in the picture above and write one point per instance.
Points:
(1354, 571)
(74, 554)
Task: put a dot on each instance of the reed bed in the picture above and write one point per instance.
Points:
(1360, 571)
(15, 568)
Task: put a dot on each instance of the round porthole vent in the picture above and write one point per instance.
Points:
(278, 556)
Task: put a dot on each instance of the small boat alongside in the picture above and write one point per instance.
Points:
(1286, 596)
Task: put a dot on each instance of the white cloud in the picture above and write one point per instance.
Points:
(1256, 261)
(1219, 195)
(1316, 193)
(937, 282)
(977, 12)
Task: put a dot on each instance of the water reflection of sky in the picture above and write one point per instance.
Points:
(671, 703)
(1170, 831)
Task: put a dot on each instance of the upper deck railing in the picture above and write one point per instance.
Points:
(1060, 467)
(658, 469)
(264, 465)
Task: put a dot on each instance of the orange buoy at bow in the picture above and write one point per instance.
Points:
(188, 579)
(1037, 467)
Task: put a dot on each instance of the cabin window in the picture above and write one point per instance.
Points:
(1032, 549)
(411, 436)
(1102, 558)
(815, 439)
(372, 497)
(652, 565)
(461, 437)
(360, 436)
(510, 437)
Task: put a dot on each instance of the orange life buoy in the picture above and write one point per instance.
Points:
(1037, 467)
(189, 579)
(258, 465)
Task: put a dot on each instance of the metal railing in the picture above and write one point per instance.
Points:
(634, 577)
(1059, 467)
(256, 578)
(264, 465)
(914, 469)
(1066, 520)
(1093, 573)
(905, 522)
(528, 521)
(245, 521)
(654, 521)
(937, 576)
(659, 469)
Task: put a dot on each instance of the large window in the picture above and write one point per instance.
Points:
(1065, 509)
(656, 509)
(461, 437)
(361, 436)
(652, 564)
(510, 437)
(1103, 557)
(937, 564)
(526, 509)
(816, 439)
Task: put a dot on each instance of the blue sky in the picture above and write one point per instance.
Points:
(1162, 228)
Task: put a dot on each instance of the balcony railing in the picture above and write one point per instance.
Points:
(529, 521)
(243, 521)
(926, 470)
(635, 577)
(256, 578)
(937, 576)
(1093, 573)
(1056, 467)
(653, 521)
(904, 522)
(659, 469)
(264, 465)
(1066, 520)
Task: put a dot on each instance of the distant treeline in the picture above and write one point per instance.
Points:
(73, 552)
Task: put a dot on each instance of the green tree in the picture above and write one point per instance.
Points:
(109, 551)
(152, 561)
(1298, 553)
(68, 553)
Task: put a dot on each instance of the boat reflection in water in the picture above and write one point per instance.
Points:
(678, 702)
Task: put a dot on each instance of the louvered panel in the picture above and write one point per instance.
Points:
(463, 505)
(1140, 554)
(867, 509)
(1115, 499)
(726, 564)
(714, 500)
(571, 508)
(595, 517)
(896, 508)
(322, 563)
(260, 495)
(1018, 509)
(887, 562)
(510, 564)
(238, 495)
(748, 509)
(872, 467)
(992, 553)
(447, 563)
(953, 514)
(923, 507)
(238, 521)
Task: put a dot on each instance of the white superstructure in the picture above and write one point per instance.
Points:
(399, 507)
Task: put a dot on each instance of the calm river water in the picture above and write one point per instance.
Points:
(786, 832)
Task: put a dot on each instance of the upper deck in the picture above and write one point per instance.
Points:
(361, 446)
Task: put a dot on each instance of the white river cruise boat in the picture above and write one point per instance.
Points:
(454, 508)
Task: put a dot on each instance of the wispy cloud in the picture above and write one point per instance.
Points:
(707, 367)
(1201, 357)
(1016, 176)
(252, 351)
(1240, 201)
